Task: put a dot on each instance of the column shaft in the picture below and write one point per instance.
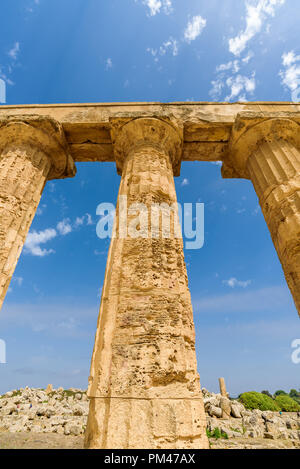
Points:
(144, 386)
(274, 169)
(32, 150)
(23, 174)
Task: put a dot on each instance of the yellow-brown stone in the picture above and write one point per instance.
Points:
(32, 150)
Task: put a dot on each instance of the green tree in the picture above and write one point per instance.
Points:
(280, 393)
(287, 404)
(256, 400)
(267, 393)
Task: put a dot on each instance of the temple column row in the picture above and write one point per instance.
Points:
(144, 386)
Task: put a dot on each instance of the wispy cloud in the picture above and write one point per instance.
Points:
(256, 13)
(35, 239)
(185, 182)
(234, 282)
(240, 85)
(108, 64)
(156, 6)
(194, 28)
(15, 281)
(290, 76)
(233, 83)
(64, 227)
(273, 299)
(51, 318)
(171, 45)
(14, 51)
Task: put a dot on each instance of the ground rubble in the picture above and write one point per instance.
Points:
(244, 428)
(64, 412)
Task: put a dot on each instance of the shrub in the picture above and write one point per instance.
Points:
(287, 404)
(267, 393)
(280, 393)
(256, 400)
(216, 434)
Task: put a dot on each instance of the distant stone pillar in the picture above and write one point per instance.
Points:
(223, 387)
(265, 148)
(32, 150)
(144, 387)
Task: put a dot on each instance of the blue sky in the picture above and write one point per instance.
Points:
(64, 51)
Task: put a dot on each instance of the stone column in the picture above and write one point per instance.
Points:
(144, 387)
(265, 148)
(223, 387)
(32, 150)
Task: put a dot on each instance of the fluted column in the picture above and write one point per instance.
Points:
(32, 150)
(144, 387)
(265, 149)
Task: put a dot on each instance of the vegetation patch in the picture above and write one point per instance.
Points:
(217, 434)
(256, 400)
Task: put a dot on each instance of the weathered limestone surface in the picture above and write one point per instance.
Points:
(207, 126)
(144, 386)
(222, 385)
(266, 149)
(32, 150)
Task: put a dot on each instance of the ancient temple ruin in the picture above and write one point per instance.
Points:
(144, 386)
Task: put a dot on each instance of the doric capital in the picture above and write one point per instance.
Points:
(250, 130)
(43, 133)
(145, 131)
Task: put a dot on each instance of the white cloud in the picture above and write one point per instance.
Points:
(232, 65)
(108, 63)
(239, 85)
(194, 28)
(290, 77)
(234, 282)
(155, 6)
(185, 182)
(170, 45)
(85, 219)
(64, 227)
(89, 219)
(79, 221)
(35, 239)
(257, 12)
(13, 53)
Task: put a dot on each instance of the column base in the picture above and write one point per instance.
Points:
(131, 423)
